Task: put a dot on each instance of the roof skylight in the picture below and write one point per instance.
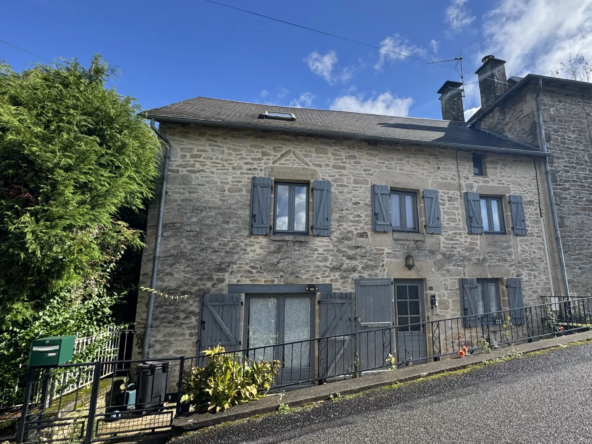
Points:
(279, 116)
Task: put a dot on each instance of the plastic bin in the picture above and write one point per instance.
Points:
(152, 382)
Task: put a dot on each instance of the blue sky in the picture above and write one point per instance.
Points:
(172, 51)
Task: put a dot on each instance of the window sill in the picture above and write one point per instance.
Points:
(497, 237)
(289, 238)
(399, 235)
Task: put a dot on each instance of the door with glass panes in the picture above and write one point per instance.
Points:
(279, 319)
(410, 315)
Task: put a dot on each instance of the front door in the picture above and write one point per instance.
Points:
(374, 307)
(279, 319)
(410, 312)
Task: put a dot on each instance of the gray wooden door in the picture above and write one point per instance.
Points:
(336, 352)
(410, 312)
(220, 321)
(374, 310)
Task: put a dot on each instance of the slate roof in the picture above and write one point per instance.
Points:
(217, 112)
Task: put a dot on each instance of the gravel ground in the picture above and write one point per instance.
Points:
(536, 399)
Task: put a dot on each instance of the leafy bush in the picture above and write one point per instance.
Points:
(228, 379)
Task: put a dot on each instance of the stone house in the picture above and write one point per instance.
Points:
(272, 214)
(509, 108)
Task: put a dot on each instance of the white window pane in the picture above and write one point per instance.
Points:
(395, 211)
(297, 328)
(492, 294)
(409, 212)
(281, 208)
(484, 215)
(263, 327)
(479, 297)
(495, 211)
(300, 209)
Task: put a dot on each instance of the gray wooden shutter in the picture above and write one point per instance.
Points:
(260, 205)
(473, 210)
(518, 220)
(432, 209)
(468, 294)
(381, 215)
(321, 225)
(220, 319)
(516, 301)
(336, 354)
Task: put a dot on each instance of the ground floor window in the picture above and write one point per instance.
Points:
(278, 319)
(488, 297)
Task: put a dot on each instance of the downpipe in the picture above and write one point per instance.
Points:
(156, 260)
(550, 188)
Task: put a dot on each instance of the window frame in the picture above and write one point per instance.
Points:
(291, 208)
(480, 167)
(403, 211)
(492, 320)
(501, 214)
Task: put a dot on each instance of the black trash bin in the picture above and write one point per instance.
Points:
(152, 382)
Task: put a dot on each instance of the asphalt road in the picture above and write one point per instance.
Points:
(534, 399)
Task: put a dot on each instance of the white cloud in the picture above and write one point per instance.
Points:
(264, 93)
(434, 45)
(395, 48)
(304, 101)
(323, 65)
(536, 35)
(385, 104)
(458, 16)
(282, 92)
(469, 113)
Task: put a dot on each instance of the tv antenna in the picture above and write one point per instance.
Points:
(457, 66)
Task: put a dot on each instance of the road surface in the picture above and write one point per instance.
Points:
(535, 399)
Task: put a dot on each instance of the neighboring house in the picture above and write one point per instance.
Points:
(272, 211)
(509, 108)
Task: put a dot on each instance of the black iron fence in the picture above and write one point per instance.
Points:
(139, 398)
(323, 359)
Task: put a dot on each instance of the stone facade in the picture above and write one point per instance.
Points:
(206, 243)
(567, 118)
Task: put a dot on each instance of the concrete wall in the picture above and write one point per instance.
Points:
(206, 244)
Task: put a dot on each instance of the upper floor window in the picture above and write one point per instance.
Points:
(492, 214)
(404, 211)
(291, 208)
(478, 164)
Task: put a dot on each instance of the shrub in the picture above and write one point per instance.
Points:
(228, 379)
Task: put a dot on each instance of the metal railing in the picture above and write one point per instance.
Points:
(110, 407)
(108, 346)
(320, 360)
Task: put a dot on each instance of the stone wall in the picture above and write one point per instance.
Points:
(206, 243)
(567, 118)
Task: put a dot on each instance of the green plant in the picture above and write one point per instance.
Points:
(391, 361)
(227, 379)
(550, 321)
(283, 407)
(507, 326)
(485, 346)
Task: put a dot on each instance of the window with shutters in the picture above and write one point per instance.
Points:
(290, 212)
(404, 211)
(492, 214)
(487, 298)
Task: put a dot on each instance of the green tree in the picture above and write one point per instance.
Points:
(74, 157)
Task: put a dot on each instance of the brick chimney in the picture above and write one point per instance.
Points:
(492, 80)
(452, 102)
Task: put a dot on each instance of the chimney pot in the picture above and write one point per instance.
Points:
(452, 102)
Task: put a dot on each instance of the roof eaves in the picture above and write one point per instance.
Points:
(531, 151)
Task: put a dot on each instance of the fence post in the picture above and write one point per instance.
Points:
(92, 407)
(25, 410)
(180, 383)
